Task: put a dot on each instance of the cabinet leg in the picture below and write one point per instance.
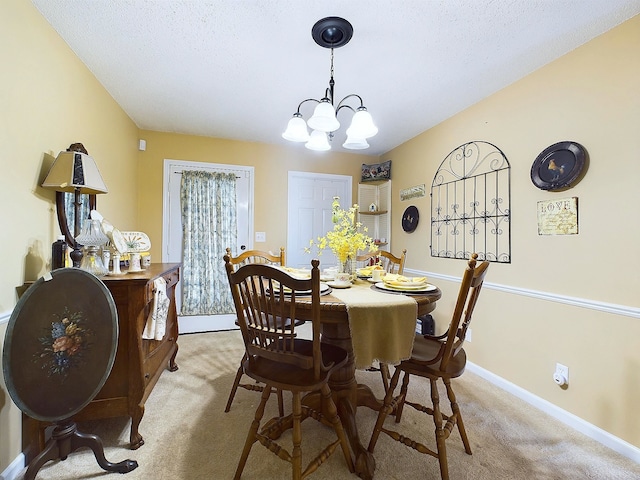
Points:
(172, 361)
(135, 439)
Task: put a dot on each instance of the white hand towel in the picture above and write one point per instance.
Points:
(157, 320)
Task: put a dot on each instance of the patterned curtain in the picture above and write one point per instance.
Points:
(209, 225)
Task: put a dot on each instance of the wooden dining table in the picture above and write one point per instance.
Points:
(347, 393)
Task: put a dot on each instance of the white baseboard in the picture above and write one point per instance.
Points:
(588, 429)
(206, 323)
(12, 471)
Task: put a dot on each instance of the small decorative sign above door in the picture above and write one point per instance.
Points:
(558, 217)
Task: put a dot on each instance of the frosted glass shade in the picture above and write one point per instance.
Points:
(353, 143)
(92, 234)
(324, 117)
(362, 125)
(296, 130)
(318, 142)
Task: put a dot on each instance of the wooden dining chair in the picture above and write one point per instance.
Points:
(257, 256)
(264, 298)
(391, 264)
(246, 257)
(389, 261)
(436, 358)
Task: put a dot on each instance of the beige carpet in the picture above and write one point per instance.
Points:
(188, 436)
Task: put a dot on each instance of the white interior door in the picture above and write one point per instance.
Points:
(172, 231)
(310, 197)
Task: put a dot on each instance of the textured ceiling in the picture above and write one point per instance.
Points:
(239, 68)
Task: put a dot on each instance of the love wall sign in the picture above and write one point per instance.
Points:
(558, 217)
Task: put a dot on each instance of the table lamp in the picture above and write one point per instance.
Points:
(92, 238)
(76, 172)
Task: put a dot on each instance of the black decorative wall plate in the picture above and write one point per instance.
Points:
(410, 219)
(559, 166)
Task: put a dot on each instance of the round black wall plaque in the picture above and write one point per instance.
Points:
(558, 166)
(410, 219)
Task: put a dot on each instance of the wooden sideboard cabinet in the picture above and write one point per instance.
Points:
(138, 363)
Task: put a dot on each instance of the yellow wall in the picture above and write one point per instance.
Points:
(590, 96)
(50, 100)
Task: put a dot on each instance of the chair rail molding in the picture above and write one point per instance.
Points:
(613, 308)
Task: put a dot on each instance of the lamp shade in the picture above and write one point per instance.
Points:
(73, 171)
(318, 141)
(296, 130)
(362, 125)
(92, 234)
(353, 143)
(324, 117)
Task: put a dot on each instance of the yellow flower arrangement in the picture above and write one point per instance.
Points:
(346, 239)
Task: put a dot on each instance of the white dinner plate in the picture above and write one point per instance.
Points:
(324, 288)
(339, 285)
(415, 289)
(118, 241)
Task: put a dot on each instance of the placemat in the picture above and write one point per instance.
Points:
(382, 326)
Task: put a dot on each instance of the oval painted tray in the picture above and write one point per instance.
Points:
(136, 242)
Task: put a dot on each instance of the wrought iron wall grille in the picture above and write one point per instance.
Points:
(470, 204)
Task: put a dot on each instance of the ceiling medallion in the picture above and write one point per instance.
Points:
(332, 32)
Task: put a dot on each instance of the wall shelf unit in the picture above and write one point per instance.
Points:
(378, 222)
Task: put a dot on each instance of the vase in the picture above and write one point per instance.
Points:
(134, 262)
(348, 266)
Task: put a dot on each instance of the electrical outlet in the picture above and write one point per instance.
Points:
(468, 337)
(261, 237)
(561, 375)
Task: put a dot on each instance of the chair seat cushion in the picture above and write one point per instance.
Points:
(292, 377)
(425, 350)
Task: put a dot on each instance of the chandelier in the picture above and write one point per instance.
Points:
(331, 32)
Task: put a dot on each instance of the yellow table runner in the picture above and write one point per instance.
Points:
(382, 325)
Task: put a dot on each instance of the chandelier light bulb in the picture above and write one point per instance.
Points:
(318, 142)
(296, 129)
(362, 125)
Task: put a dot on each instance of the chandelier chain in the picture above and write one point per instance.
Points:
(332, 63)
